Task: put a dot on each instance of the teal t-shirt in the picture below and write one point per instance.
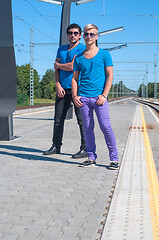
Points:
(92, 73)
(67, 56)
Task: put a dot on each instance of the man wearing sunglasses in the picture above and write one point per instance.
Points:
(63, 75)
(95, 68)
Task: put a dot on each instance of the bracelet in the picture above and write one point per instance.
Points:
(74, 96)
(104, 96)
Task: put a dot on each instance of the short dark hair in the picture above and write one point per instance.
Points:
(74, 25)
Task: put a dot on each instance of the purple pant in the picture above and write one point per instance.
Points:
(102, 112)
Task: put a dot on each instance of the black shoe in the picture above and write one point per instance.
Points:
(52, 150)
(80, 154)
(114, 166)
(88, 163)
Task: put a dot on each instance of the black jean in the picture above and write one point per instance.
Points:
(61, 107)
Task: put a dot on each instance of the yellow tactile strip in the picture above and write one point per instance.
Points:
(129, 216)
(153, 183)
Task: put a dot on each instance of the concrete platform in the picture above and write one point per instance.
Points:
(129, 215)
(50, 197)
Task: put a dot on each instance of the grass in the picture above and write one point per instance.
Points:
(43, 101)
(37, 101)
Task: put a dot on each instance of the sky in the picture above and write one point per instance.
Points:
(139, 18)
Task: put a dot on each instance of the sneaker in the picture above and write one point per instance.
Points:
(88, 163)
(114, 165)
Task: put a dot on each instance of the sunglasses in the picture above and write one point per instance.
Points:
(71, 33)
(92, 35)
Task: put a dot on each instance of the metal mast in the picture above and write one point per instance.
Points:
(8, 76)
(31, 66)
(147, 80)
(117, 90)
(155, 77)
(65, 21)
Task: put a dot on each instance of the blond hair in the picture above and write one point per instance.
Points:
(90, 26)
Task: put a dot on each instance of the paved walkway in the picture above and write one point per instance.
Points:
(50, 197)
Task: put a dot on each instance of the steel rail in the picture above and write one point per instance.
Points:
(153, 105)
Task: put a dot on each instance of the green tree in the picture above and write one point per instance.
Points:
(48, 91)
(47, 84)
(151, 90)
(23, 79)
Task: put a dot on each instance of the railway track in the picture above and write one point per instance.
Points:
(153, 105)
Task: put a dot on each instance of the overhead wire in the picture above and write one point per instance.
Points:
(21, 38)
(24, 51)
(35, 9)
(34, 27)
(21, 19)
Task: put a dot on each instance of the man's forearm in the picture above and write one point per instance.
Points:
(57, 75)
(109, 73)
(108, 86)
(66, 66)
(74, 87)
(57, 78)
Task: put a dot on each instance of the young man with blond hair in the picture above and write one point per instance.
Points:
(95, 68)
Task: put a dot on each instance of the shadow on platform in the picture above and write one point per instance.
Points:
(32, 157)
(31, 118)
(28, 156)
